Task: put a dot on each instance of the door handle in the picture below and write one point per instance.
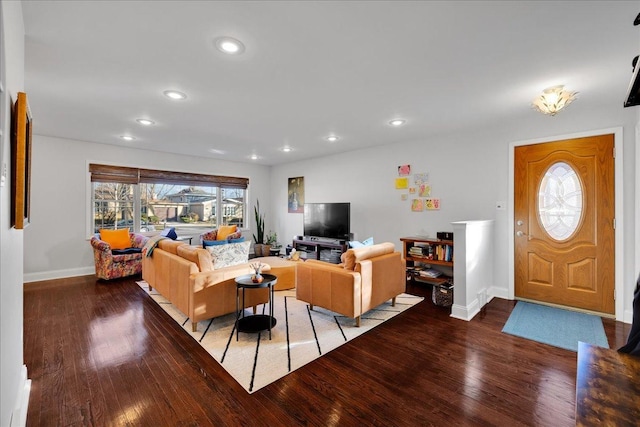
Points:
(520, 233)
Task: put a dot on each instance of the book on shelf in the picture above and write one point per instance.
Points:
(430, 273)
(416, 251)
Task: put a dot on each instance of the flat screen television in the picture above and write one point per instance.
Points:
(327, 220)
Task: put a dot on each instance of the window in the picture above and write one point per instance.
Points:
(560, 201)
(150, 200)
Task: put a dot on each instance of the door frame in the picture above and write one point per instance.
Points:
(619, 235)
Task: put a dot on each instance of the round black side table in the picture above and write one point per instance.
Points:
(255, 322)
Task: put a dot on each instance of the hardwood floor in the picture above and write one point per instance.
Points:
(106, 354)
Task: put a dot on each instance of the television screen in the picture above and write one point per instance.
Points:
(329, 220)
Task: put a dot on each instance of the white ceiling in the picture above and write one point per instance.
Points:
(312, 69)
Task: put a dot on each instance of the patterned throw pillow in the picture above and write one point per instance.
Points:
(229, 254)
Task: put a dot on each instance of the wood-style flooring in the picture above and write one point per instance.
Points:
(105, 354)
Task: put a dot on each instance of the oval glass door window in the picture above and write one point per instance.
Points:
(560, 201)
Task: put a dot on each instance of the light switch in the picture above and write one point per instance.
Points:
(3, 179)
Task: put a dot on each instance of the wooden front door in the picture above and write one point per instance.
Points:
(564, 223)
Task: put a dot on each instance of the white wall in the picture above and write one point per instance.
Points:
(468, 172)
(57, 240)
(14, 382)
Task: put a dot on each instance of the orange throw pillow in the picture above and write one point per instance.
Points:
(117, 239)
(225, 230)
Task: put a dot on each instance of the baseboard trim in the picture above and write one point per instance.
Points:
(58, 274)
(465, 313)
(501, 293)
(19, 414)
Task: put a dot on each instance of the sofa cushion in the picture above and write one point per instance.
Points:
(230, 254)
(225, 230)
(197, 255)
(117, 239)
(170, 246)
(353, 256)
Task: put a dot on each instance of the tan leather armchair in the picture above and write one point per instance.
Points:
(367, 277)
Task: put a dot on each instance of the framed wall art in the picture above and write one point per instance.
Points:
(295, 196)
(21, 130)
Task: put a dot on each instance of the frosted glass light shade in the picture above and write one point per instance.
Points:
(553, 99)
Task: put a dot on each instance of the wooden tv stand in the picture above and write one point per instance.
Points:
(323, 250)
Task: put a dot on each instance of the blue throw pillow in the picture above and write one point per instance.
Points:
(126, 251)
(206, 243)
(238, 240)
(355, 244)
(170, 233)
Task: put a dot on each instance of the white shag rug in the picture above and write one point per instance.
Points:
(299, 336)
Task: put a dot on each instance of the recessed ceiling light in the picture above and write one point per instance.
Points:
(145, 122)
(332, 138)
(127, 137)
(397, 122)
(229, 45)
(174, 94)
(286, 149)
(254, 157)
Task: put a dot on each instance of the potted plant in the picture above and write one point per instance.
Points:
(258, 236)
(272, 242)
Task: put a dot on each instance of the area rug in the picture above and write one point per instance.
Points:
(299, 336)
(555, 326)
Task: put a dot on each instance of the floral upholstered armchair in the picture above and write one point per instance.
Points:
(113, 263)
(228, 233)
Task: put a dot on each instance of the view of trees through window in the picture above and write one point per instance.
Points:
(155, 206)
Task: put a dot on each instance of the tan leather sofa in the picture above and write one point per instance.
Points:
(185, 275)
(367, 277)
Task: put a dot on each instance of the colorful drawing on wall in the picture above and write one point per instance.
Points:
(425, 190)
(431, 204)
(402, 183)
(404, 196)
(296, 194)
(404, 170)
(420, 178)
(417, 205)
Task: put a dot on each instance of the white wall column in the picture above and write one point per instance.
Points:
(473, 256)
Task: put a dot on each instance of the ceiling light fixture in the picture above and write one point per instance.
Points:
(332, 138)
(397, 122)
(174, 94)
(553, 99)
(254, 157)
(229, 45)
(145, 122)
(286, 149)
(127, 137)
